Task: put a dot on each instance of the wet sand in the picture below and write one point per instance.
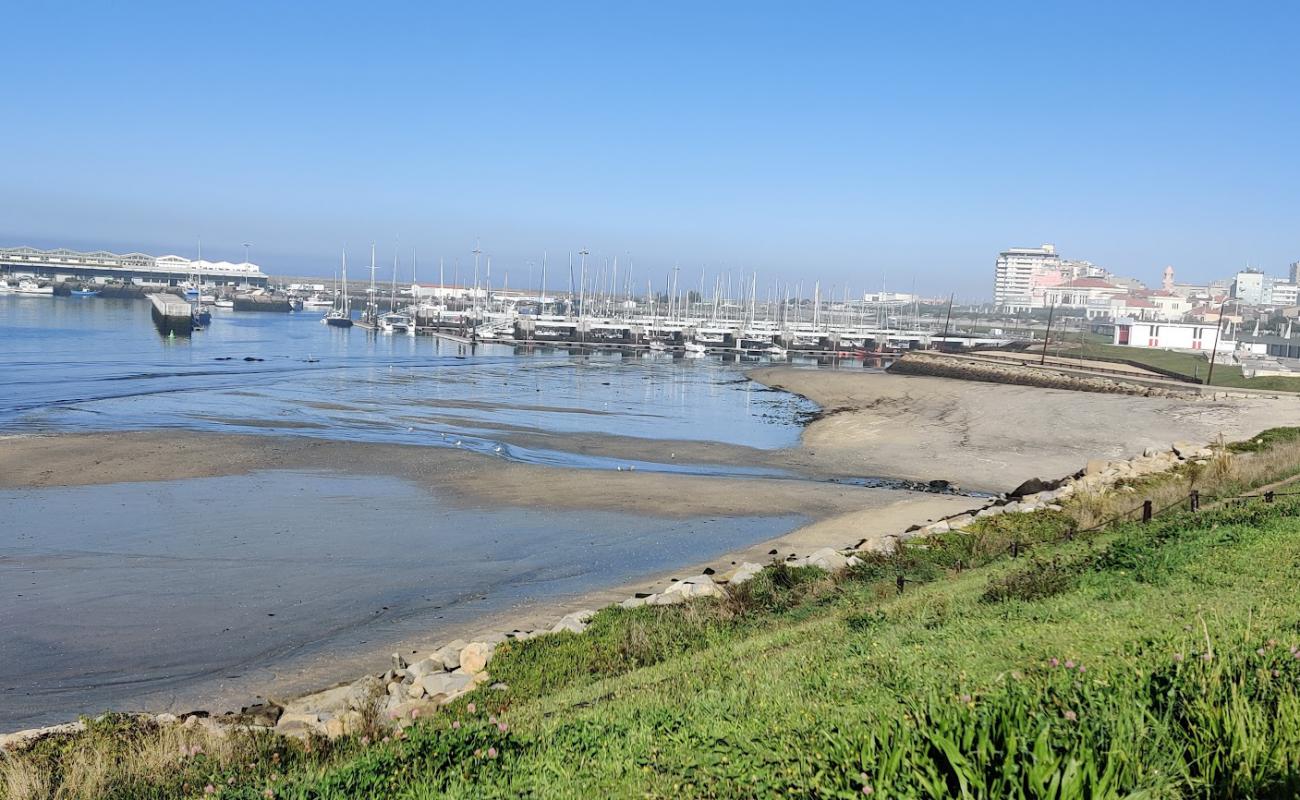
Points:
(982, 436)
(990, 436)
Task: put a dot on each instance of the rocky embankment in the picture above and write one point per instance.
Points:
(938, 365)
(408, 690)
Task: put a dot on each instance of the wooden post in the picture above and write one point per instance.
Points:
(1015, 549)
(899, 582)
(1194, 500)
(1146, 510)
(1268, 497)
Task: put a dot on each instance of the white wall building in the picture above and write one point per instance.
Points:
(1172, 335)
(1251, 287)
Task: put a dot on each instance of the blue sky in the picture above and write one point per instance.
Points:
(851, 142)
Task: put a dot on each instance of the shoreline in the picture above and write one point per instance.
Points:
(839, 515)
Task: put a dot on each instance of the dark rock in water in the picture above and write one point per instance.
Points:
(938, 485)
(708, 570)
(223, 358)
(253, 358)
(913, 528)
(771, 552)
(1034, 486)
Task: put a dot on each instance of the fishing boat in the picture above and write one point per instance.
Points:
(340, 315)
(317, 301)
(695, 348)
(776, 351)
(84, 293)
(224, 303)
(200, 316)
(657, 346)
(28, 286)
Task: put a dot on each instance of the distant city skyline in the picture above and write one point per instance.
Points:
(841, 142)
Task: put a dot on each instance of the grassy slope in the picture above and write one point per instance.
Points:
(809, 686)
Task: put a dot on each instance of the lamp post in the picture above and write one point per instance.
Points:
(1214, 354)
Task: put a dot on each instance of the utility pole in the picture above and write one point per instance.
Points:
(1048, 336)
(947, 319)
(1214, 354)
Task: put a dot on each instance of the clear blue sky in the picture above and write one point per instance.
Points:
(840, 141)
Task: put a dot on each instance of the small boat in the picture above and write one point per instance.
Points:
(695, 348)
(200, 317)
(316, 301)
(395, 323)
(657, 346)
(84, 293)
(224, 304)
(191, 294)
(27, 286)
(776, 351)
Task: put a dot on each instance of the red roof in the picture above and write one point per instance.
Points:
(1137, 302)
(1089, 283)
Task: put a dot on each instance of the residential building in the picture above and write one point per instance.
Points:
(1284, 294)
(1019, 271)
(1251, 287)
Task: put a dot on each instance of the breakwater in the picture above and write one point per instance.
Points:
(964, 368)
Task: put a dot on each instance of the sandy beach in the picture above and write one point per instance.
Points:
(982, 436)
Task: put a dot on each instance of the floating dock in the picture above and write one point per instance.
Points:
(172, 314)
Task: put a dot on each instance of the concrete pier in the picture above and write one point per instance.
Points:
(171, 314)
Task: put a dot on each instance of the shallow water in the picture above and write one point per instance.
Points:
(77, 364)
(158, 594)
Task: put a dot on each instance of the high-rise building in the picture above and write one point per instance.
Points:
(1017, 274)
(1251, 286)
(1295, 272)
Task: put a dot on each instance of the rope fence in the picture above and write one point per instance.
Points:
(1145, 513)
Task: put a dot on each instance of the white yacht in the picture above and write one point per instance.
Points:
(396, 323)
(695, 348)
(28, 286)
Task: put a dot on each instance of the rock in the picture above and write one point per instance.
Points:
(1096, 466)
(403, 714)
(416, 690)
(168, 719)
(1151, 452)
(394, 687)
(959, 522)
(826, 558)
(884, 545)
(990, 511)
(475, 656)
(363, 693)
(938, 485)
(330, 702)
(852, 561)
(449, 654)
(299, 724)
(1183, 449)
(446, 684)
(1033, 486)
(1011, 508)
(738, 575)
(633, 602)
(397, 662)
(939, 527)
(22, 739)
(665, 599)
(573, 623)
(425, 666)
(263, 715)
(697, 586)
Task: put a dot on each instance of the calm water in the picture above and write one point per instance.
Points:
(73, 364)
(156, 595)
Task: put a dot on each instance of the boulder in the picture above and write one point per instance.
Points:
(403, 714)
(696, 586)
(1183, 449)
(475, 656)
(328, 703)
(575, 622)
(1033, 486)
(446, 684)
(941, 526)
(826, 558)
(959, 522)
(299, 724)
(1096, 466)
(884, 545)
(449, 654)
(363, 693)
(425, 666)
(738, 575)
(633, 602)
(665, 599)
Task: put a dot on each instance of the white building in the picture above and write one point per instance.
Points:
(1093, 296)
(101, 266)
(1172, 335)
(1019, 272)
(1284, 294)
(1251, 287)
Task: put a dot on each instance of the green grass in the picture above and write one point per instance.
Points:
(812, 686)
(1192, 366)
